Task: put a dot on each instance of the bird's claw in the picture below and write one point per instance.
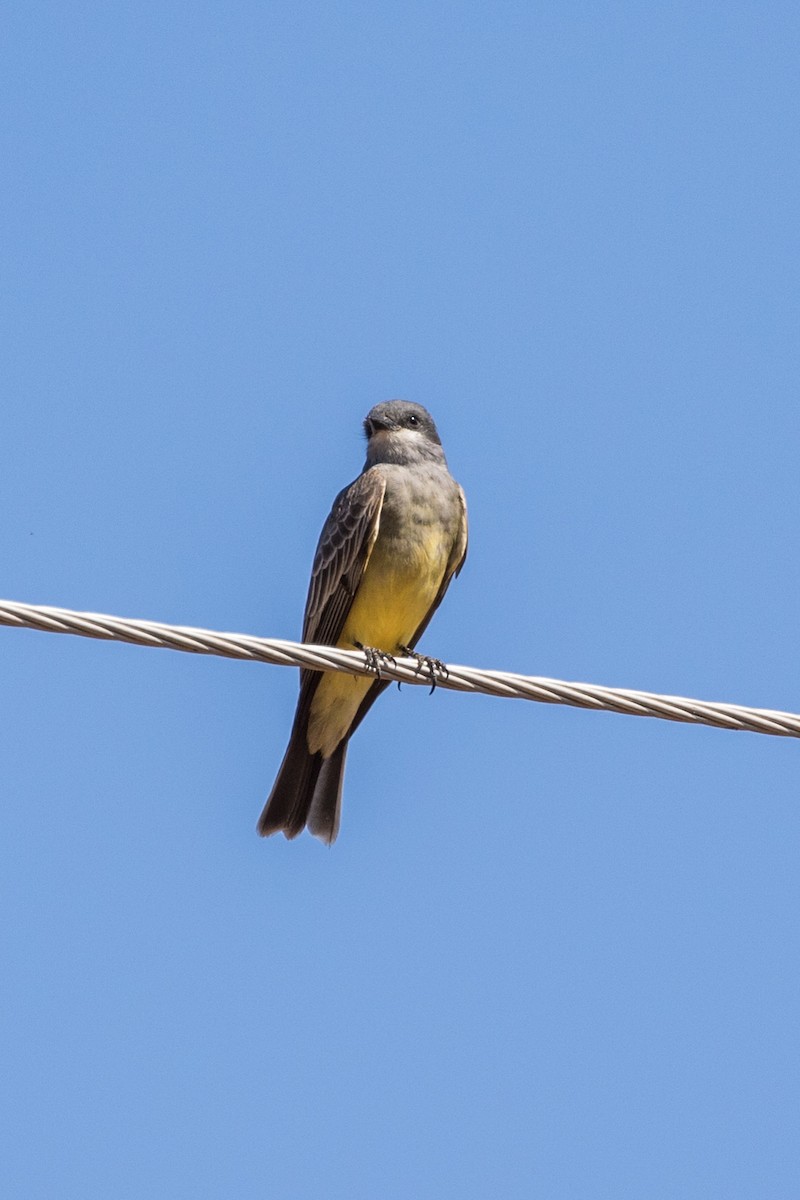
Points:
(376, 659)
(434, 668)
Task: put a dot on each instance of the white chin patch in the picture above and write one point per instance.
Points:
(391, 435)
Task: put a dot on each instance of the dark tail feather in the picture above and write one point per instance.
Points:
(307, 791)
(290, 798)
(326, 802)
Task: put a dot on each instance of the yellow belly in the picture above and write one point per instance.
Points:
(391, 602)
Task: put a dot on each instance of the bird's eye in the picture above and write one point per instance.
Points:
(412, 420)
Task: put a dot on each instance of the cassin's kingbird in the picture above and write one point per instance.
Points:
(393, 541)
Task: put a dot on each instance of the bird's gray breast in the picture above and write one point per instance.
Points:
(420, 503)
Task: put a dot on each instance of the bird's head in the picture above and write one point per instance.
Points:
(399, 431)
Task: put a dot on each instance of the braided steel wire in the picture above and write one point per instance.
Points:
(404, 670)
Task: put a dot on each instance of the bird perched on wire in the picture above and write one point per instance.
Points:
(395, 538)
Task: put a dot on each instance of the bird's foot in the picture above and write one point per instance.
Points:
(376, 659)
(434, 668)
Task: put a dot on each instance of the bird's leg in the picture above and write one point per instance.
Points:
(375, 658)
(434, 668)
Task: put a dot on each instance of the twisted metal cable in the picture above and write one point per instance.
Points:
(404, 670)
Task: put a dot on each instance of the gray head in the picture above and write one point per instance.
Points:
(401, 432)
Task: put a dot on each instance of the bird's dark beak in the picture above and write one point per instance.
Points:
(373, 426)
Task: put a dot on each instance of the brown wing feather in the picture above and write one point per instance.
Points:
(345, 545)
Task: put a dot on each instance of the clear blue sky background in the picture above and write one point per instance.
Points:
(553, 953)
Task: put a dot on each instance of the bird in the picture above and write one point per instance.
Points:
(395, 538)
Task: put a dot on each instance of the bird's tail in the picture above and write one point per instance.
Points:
(308, 791)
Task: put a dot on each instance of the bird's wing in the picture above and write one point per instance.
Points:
(345, 545)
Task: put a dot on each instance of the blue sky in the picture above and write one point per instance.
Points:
(553, 953)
